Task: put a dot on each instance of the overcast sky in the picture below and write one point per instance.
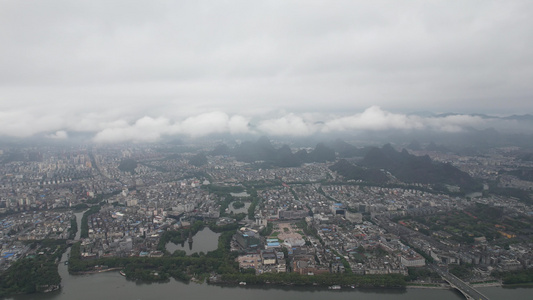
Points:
(140, 70)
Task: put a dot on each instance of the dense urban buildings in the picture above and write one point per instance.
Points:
(307, 219)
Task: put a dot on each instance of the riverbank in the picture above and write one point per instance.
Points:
(95, 271)
(518, 285)
(446, 286)
(435, 287)
(111, 285)
(487, 284)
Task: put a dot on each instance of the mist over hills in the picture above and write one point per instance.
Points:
(417, 169)
(300, 140)
(262, 150)
(366, 161)
(354, 172)
(405, 167)
(378, 165)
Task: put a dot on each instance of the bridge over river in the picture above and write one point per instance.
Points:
(466, 289)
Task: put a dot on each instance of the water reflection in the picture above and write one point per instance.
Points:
(314, 289)
(204, 241)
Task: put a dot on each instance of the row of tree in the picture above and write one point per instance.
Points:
(515, 277)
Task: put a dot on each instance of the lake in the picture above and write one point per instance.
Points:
(203, 241)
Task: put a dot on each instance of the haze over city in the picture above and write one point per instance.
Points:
(266, 149)
(140, 71)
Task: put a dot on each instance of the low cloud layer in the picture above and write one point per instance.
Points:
(148, 129)
(58, 135)
(152, 129)
(374, 118)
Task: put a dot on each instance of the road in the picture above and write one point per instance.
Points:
(468, 291)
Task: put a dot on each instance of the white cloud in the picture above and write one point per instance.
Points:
(211, 67)
(196, 57)
(239, 124)
(373, 118)
(21, 123)
(146, 129)
(150, 129)
(58, 135)
(376, 119)
(213, 122)
(289, 125)
(454, 123)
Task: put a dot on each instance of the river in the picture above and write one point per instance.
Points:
(79, 215)
(112, 285)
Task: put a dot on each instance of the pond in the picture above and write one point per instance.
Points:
(204, 241)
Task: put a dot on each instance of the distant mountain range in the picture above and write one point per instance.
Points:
(262, 150)
(353, 172)
(347, 150)
(405, 167)
(378, 165)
